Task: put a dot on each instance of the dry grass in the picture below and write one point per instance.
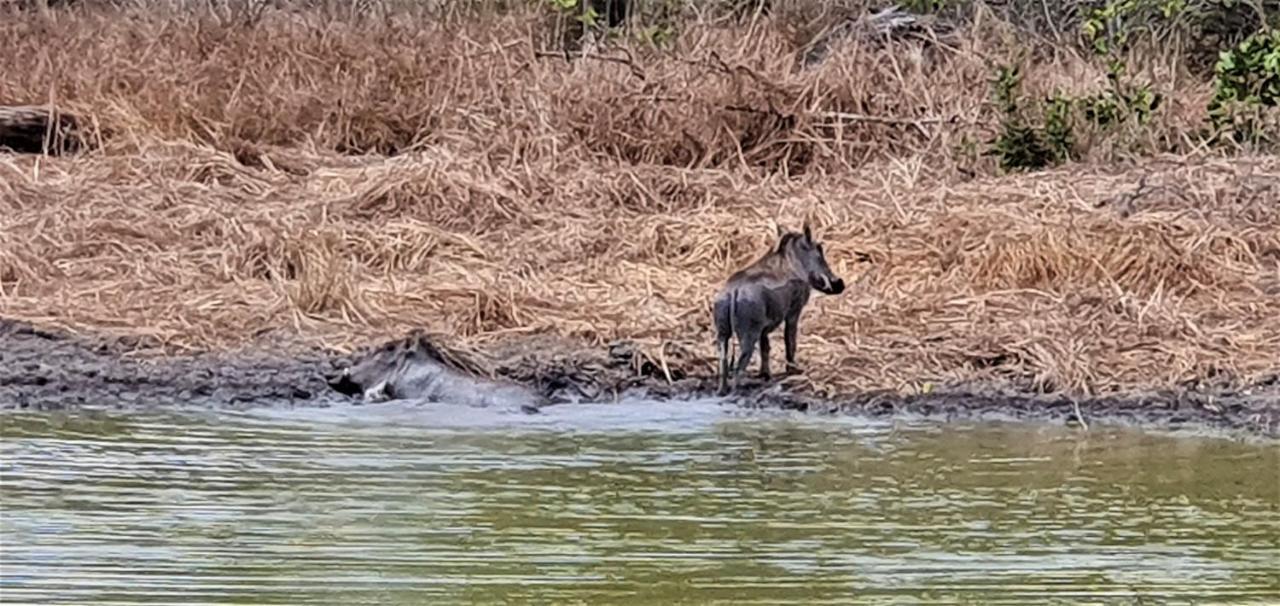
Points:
(346, 181)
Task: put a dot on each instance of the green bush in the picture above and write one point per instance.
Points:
(1246, 86)
(1200, 27)
(1043, 134)
(1025, 142)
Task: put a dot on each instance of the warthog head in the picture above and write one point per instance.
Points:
(382, 373)
(370, 374)
(808, 260)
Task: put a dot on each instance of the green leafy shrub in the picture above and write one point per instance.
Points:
(1125, 100)
(1246, 85)
(1199, 27)
(1025, 143)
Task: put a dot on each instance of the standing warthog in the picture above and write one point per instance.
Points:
(414, 368)
(769, 292)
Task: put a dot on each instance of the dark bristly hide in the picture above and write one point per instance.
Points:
(768, 293)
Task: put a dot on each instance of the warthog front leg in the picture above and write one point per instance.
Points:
(790, 332)
(764, 356)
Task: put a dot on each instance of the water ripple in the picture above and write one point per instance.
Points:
(632, 503)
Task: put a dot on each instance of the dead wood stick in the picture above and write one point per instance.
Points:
(32, 129)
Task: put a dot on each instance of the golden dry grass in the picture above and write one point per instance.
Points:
(347, 181)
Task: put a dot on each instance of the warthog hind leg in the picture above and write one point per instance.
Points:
(724, 368)
(723, 317)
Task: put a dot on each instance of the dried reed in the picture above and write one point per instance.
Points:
(346, 181)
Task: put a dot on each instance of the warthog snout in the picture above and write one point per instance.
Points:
(837, 287)
(825, 285)
(344, 385)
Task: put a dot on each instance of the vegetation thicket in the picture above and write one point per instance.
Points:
(1083, 197)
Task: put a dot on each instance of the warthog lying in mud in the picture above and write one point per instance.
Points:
(769, 292)
(414, 368)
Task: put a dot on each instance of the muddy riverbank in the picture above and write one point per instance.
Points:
(51, 370)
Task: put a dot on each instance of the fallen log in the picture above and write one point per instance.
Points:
(33, 129)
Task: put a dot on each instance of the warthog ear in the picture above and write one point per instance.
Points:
(808, 234)
(777, 228)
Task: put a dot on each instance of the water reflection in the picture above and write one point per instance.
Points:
(638, 503)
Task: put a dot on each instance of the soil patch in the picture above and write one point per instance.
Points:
(43, 369)
(52, 370)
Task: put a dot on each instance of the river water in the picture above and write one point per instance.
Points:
(636, 503)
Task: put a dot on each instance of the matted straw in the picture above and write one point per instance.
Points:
(348, 187)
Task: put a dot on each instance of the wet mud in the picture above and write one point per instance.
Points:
(44, 369)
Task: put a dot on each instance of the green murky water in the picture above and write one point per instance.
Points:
(623, 504)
